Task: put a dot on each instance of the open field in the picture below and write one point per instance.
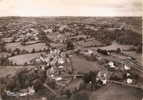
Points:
(22, 59)
(80, 64)
(11, 70)
(115, 45)
(117, 92)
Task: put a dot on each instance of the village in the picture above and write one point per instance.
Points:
(70, 59)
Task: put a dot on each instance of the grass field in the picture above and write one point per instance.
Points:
(22, 59)
(6, 70)
(117, 92)
(115, 45)
(80, 64)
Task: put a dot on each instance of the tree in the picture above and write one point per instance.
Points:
(118, 50)
(23, 52)
(15, 64)
(12, 54)
(33, 50)
(23, 43)
(2, 46)
(25, 64)
(9, 50)
(139, 48)
(4, 61)
(69, 45)
(17, 51)
(11, 63)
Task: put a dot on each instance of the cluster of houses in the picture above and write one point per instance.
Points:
(117, 71)
(26, 35)
(55, 62)
(124, 72)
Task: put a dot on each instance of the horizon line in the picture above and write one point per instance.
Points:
(76, 16)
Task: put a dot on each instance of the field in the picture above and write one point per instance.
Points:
(22, 59)
(116, 92)
(11, 70)
(82, 65)
(115, 45)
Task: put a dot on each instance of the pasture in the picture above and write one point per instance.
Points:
(22, 59)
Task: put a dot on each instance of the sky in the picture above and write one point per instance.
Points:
(71, 8)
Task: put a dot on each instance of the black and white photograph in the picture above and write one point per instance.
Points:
(71, 50)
